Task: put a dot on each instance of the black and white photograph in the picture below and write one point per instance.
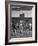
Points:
(21, 22)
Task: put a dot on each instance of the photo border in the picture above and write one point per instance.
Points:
(6, 28)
